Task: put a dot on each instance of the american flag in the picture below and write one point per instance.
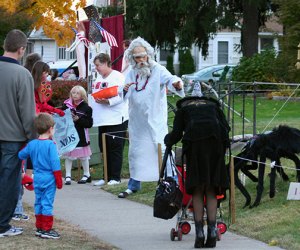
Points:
(110, 39)
(82, 38)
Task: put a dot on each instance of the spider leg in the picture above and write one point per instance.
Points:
(260, 185)
(238, 183)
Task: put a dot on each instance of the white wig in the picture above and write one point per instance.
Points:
(139, 42)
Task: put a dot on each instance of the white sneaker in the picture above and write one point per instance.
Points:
(12, 232)
(99, 183)
(113, 182)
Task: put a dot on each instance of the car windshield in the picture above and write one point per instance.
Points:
(205, 71)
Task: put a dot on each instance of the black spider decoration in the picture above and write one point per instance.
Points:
(282, 142)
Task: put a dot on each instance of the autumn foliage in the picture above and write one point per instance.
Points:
(56, 17)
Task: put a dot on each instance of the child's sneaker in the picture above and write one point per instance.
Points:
(19, 217)
(50, 234)
(13, 231)
(38, 232)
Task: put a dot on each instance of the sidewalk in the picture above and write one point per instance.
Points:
(128, 225)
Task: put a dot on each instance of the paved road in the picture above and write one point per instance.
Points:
(128, 225)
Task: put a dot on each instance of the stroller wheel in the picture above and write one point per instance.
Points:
(172, 234)
(179, 234)
(185, 227)
(222, 227)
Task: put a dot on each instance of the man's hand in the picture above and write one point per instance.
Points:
(126, 87)
(177, 85)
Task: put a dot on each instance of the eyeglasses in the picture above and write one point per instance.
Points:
(139, 57)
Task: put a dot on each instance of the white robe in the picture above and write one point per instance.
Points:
(148, 116)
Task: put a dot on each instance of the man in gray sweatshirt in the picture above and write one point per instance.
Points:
(17, 109)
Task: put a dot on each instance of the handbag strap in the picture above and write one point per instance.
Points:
(163, 170)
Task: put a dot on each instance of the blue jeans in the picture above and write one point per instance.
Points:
(134, 185)
(10, 181)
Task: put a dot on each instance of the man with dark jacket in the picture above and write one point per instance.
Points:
(17, 109)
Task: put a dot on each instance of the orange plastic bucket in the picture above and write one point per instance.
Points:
(106, 93)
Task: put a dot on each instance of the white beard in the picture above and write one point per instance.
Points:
(142, 69)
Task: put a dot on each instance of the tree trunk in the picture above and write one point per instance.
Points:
(250, 28)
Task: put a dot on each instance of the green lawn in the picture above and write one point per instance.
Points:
(275, 221)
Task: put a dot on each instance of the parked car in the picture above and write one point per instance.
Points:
(210, 74)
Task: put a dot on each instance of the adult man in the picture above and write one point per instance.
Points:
(111, 115)
(17, 109)
(146, 86)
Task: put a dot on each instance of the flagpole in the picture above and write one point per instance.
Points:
(124, 8)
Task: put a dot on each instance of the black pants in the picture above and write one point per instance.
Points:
(114, 148)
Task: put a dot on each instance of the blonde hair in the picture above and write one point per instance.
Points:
(81, 91)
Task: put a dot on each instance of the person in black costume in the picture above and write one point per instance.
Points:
(202, 126)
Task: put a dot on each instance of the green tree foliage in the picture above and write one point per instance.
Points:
(259, 68)
(288, 13)
(187, 65)
(170, 65)
(9, 22)
(161, 21)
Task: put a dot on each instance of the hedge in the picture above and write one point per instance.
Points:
(61, 90)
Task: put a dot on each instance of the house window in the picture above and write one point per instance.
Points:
(61, 53)
(222, 52)
(65, 55)
(266, 43)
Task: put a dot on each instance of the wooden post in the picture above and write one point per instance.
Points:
(159, 157)
(104, 157)
(232, 191)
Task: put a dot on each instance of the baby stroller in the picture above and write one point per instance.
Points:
(185, 215)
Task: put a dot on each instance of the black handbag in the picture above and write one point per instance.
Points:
(168, 197)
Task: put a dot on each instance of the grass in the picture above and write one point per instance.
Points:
(71, 237)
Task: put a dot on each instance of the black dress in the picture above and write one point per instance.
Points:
(204, 131)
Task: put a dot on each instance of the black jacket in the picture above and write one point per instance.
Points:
(84, 112)
(198, 118)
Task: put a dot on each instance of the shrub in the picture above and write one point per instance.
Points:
(170, 65)
(186, 65)
(61, 90)
(259, 68)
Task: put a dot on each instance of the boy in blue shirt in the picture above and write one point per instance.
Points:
(47, 174)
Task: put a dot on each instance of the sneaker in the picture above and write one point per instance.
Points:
(13, 231)
(50, 234)
(19, 217)
(113, 182)
(99, 183)
(38, 232)
(68, 180)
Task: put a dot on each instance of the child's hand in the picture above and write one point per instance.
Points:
(75, 117)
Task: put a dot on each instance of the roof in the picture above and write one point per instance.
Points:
(38, 35)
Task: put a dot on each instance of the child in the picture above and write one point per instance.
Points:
(42, 89)
(47, 174)
(82, 117)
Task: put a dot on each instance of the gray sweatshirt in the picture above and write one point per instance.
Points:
(17, 103)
